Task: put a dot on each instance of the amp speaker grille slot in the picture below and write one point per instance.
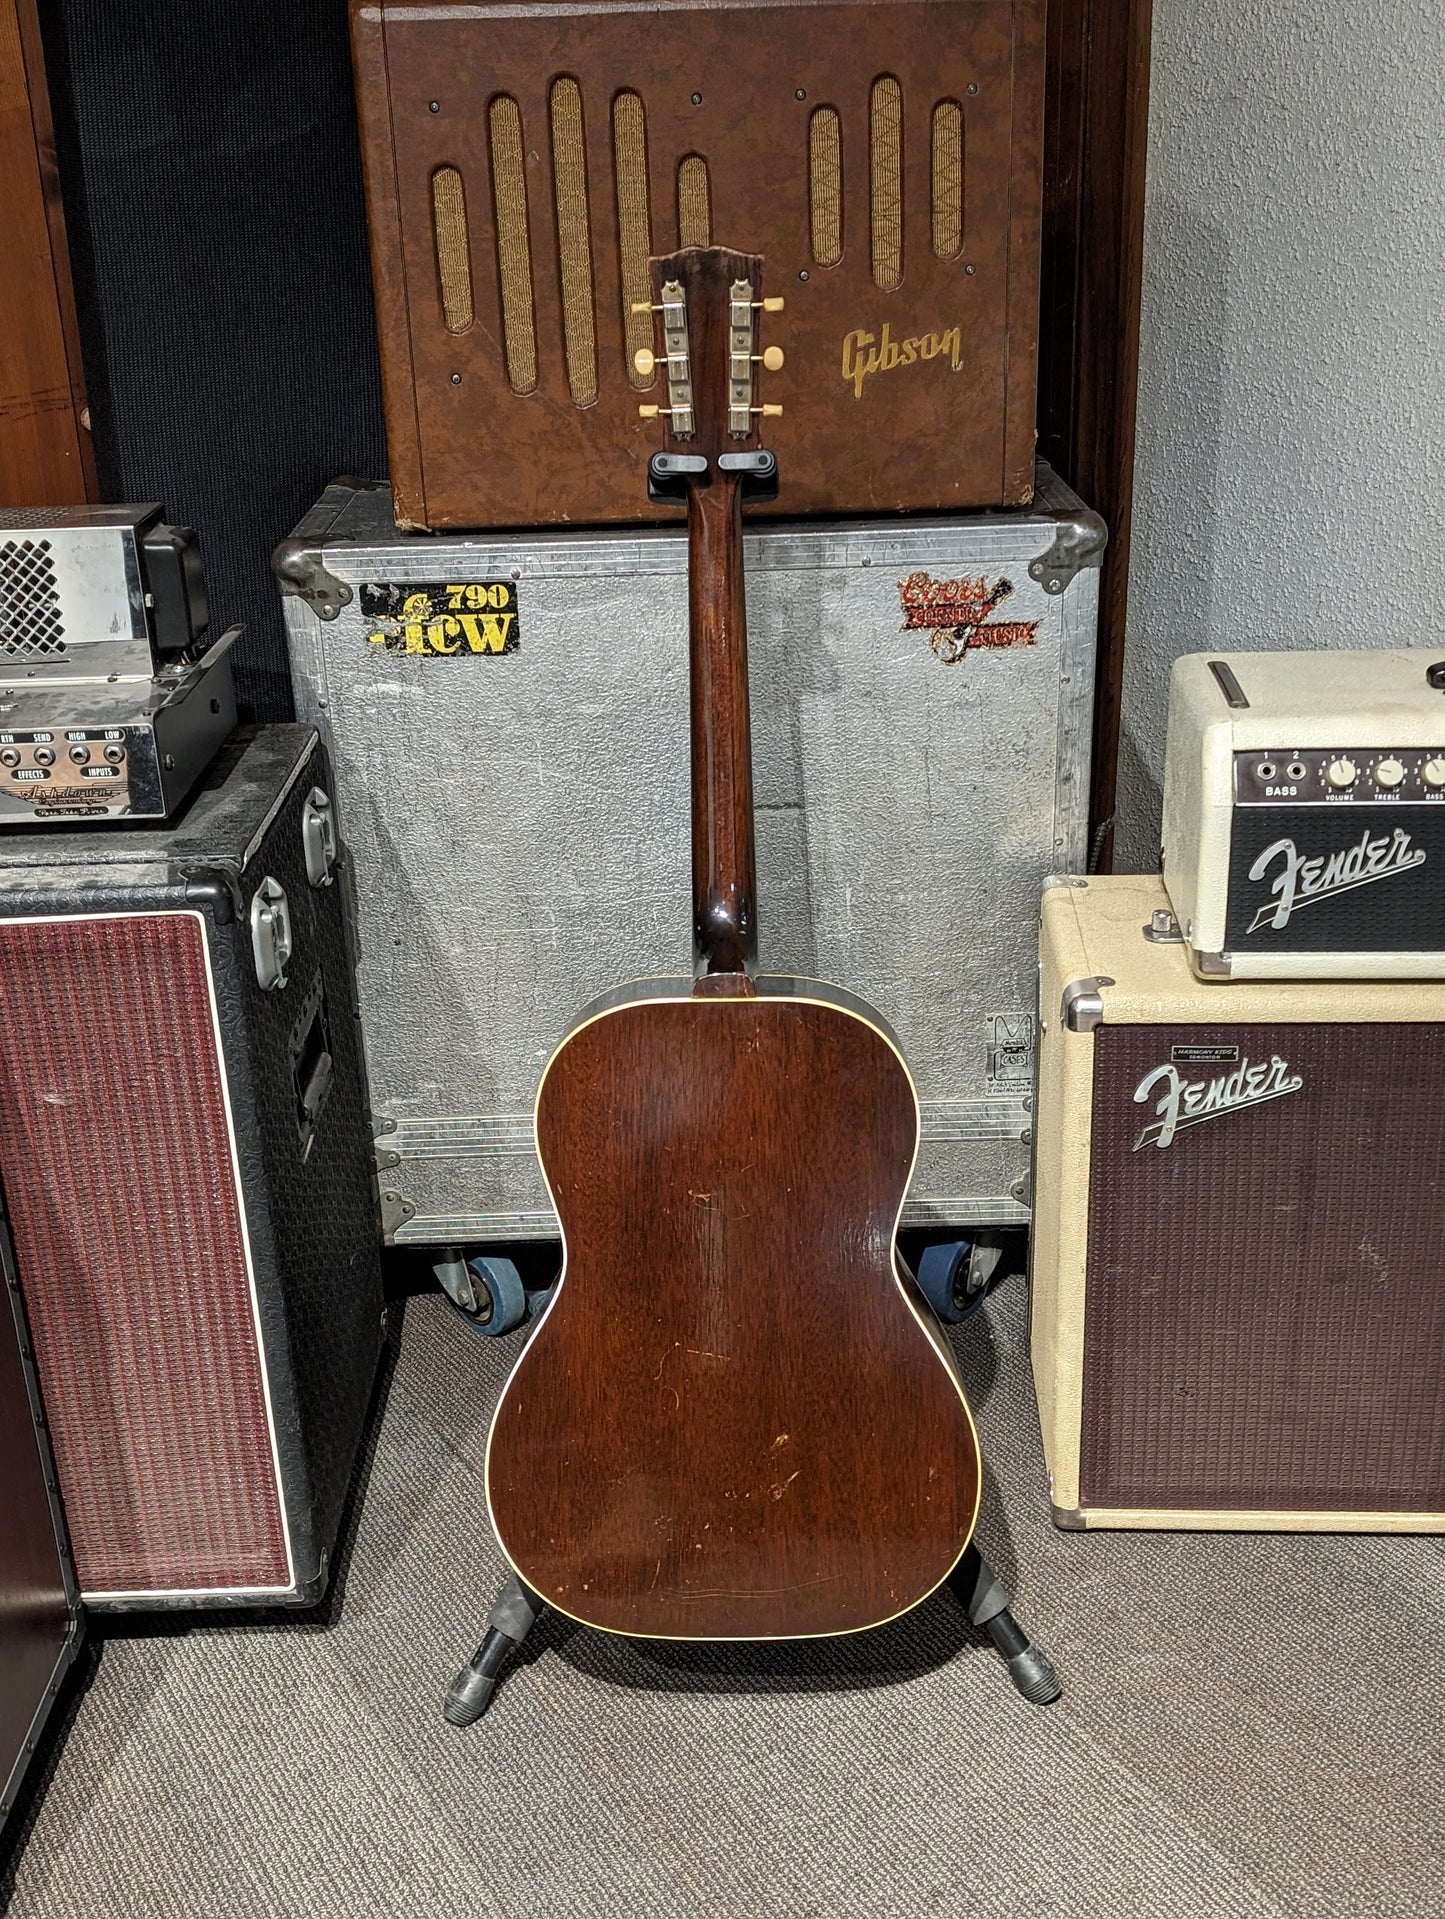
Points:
(514, 252)
(454, 267)
(947, 179)
(30, 623)
(694, 203)
(574, 246)
(634, 223)
(885, 157)
(825, 186)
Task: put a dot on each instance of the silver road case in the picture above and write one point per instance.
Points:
(507, 719)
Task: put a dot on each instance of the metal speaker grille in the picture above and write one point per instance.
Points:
(1265, 1307)
(694, 202)
(634, 225)
(116, 1157)
(574, 249)
(30, 623)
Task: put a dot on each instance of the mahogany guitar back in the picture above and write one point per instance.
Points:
(733, 1422)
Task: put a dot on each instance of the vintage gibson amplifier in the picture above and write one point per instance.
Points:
(1304, 813)
(523, 161)
(1238, 1315)
(185, 1153)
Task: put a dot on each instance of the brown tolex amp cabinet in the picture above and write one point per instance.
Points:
(523, 161)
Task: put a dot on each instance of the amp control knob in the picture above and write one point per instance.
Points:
(1388, 773)
(1433, 772)
(1341, 773)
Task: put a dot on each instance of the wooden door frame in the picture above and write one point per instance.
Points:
(1095, 141)
(46, 455)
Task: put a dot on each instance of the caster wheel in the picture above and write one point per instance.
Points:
(498, 1298)
(943, 1280)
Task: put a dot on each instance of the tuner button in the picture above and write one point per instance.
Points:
(1389, 773)
(648, 412)
(640, 306)
(773, 358)
(773, 304)
(1433, 772)
(771, 412)
(1341, 773)
(644, 360)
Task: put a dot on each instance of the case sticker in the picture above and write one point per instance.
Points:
(956, 614)
(1010, 1053)
(443, 622)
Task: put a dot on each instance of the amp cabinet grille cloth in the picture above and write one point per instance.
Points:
(117, 1164)
(1265, 1304)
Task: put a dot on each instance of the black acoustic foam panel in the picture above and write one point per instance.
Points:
(212, 181)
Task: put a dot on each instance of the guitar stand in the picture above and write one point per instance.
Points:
(978, 1591)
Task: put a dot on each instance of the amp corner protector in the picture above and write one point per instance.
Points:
(1082, 1006)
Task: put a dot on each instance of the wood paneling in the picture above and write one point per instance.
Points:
(45, 451)
(1096, 130)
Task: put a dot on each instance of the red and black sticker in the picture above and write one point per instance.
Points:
(958, 615)
(443, 622)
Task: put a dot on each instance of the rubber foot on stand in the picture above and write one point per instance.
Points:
(1034, 1677)
(468, 1696)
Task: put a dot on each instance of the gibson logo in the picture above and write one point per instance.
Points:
(1185, 1102)
(862, 356)
(1302, 882)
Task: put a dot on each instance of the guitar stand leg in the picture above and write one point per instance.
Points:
(987, 1606)
(513, 1616)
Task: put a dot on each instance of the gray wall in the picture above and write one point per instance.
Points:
(1291, 437)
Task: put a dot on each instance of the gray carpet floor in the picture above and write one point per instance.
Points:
(1249, 1725)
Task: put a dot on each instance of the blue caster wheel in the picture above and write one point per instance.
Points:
(955, 1276)
(487, 1292)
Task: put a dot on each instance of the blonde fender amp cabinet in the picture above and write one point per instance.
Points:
(523, 160)
(1238, 1312)
(1304, 813)
(186, 1161)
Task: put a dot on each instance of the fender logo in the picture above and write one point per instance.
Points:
(1304, 882)
(1188, 1102)
(862, 356)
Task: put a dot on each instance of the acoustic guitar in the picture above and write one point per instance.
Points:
(737, 1418)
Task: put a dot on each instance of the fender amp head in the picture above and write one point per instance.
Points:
(112, 701)
(1304, 813)
(188, 1165)
(524, 160)
(1238, 1264)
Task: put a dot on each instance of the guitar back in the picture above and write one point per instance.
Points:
(736, 1419)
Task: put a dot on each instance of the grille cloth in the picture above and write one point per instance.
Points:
(694, 203)
(634, 223)
(574, 247)
(885, 163)
(825, 186)
(454, 266)
(947, 178)
(1265, 1306)
(514, 252)
(117, 1167)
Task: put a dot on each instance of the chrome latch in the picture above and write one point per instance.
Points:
(271, 941)
(318, 836)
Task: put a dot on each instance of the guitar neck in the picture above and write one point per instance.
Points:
(724, 875)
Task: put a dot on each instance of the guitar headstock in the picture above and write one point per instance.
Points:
(708, 301)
